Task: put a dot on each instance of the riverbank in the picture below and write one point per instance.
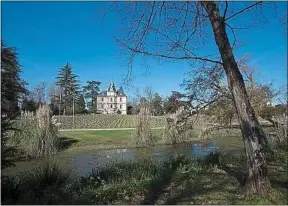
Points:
(214, 180)
(100, 140)
(85, 150)
(121, 139)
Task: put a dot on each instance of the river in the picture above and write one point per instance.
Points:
(82, 162)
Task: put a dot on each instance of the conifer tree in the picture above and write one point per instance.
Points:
(69, 87)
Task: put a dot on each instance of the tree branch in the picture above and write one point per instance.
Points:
(135, 50)
(226, 8)
(242, 10)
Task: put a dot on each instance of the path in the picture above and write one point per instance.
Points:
(75, 130)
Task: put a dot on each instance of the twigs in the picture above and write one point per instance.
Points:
(243, 10)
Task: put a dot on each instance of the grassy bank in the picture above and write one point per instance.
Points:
(214, 180)
(106, 139)
(103, 139)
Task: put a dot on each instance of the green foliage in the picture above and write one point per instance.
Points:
(12, 89)
(212, 180)
(30, 140)
(119, 182)
(49, 173)
(69, 85)
(129, 110)
(80, 105)
(28, 105)
(91, 91)
(43, 185)
(143, 136)
(105, 121)
(157, 103)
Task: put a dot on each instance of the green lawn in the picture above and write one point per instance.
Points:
(102, 139)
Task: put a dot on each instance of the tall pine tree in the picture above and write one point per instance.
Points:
(69, 88)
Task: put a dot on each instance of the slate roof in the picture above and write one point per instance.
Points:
(119, 92)
(104, 93)
(112, 87)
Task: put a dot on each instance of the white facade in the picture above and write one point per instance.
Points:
(112, 101)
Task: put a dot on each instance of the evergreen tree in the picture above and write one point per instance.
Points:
(69, 88)
(54, 96)
(157, 105)
(12, 90)
(80, 105)
(28, 105)
(91, 91)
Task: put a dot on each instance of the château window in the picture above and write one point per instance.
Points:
(111, 99)
(111, 106)
(120, 99)
(120, 104)
(102, 99)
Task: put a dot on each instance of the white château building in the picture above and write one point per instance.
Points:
(112, 101)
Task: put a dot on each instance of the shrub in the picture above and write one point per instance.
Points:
(43, 185)
(49, 173)
(35, 136)
(142, 136)
(30, 140)
(178, 128)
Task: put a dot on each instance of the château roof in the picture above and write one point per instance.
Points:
(112, 88)
(120, 92)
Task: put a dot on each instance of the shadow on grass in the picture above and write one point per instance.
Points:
(199, 187)
(237, 173)
(279, 183)
(157, 188)
(66, 142)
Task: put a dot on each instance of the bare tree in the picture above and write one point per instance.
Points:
(178, 31)
(207, 88)
(40, 93)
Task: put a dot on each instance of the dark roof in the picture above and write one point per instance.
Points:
(120, 92)
(104, 93)
(112, 87)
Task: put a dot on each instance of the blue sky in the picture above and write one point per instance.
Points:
(48, 34)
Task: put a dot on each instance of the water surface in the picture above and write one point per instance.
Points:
(82, 162)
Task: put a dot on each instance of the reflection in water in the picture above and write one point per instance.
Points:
(201, 150)
(82, 163)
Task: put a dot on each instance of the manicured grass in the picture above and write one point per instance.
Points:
(111, 139)
(103, 139)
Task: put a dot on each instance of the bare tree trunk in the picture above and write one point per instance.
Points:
(256, 145)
